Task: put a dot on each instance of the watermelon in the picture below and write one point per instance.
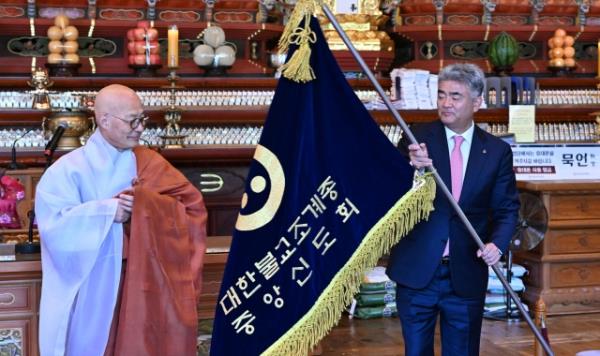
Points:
(503, 51)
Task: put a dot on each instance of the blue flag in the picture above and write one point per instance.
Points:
(326, 195)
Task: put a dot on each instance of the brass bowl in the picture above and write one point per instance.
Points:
(77, 123)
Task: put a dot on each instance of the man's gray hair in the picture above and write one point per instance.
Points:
(467, 73)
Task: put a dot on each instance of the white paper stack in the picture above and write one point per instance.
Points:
(414, 88)
(422, 90)
(432, 84)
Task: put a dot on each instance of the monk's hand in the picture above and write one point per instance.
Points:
(419, 158)
(490, 254)
(124, 207)
(121, 215)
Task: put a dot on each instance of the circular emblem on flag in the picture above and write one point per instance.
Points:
(274, 180)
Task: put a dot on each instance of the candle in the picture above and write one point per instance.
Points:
(173, 47)
(598, 73)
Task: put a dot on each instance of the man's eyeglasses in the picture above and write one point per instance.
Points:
(136, 122)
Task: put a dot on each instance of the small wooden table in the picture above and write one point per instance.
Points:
(20, 290)
(564, 269)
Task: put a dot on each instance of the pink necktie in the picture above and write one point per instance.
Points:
(456, 172)
(456, 167)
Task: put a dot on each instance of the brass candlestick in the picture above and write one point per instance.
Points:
(172, 137)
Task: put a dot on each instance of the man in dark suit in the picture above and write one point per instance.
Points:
(438, 267)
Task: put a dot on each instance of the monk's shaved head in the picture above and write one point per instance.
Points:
(110, 99)
(116, 108)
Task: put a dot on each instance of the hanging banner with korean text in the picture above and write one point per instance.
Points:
(326, 195)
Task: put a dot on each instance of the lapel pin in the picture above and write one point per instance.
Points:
(484, 151)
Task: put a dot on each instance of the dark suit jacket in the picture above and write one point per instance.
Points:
(488, 198)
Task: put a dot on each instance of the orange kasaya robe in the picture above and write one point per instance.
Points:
(157, 314)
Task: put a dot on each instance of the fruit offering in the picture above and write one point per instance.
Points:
(561, 51)
(63, 45)
(215, 52)
(503, 50)
(143, 45)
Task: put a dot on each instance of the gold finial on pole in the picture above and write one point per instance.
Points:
(540, 316)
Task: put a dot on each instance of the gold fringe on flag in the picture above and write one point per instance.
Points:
(297, 31)
(411, 208)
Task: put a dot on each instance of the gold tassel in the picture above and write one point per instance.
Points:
(298, 67)
(411, 208)
(303, 10)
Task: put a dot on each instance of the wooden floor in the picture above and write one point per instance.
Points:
(383, 337)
